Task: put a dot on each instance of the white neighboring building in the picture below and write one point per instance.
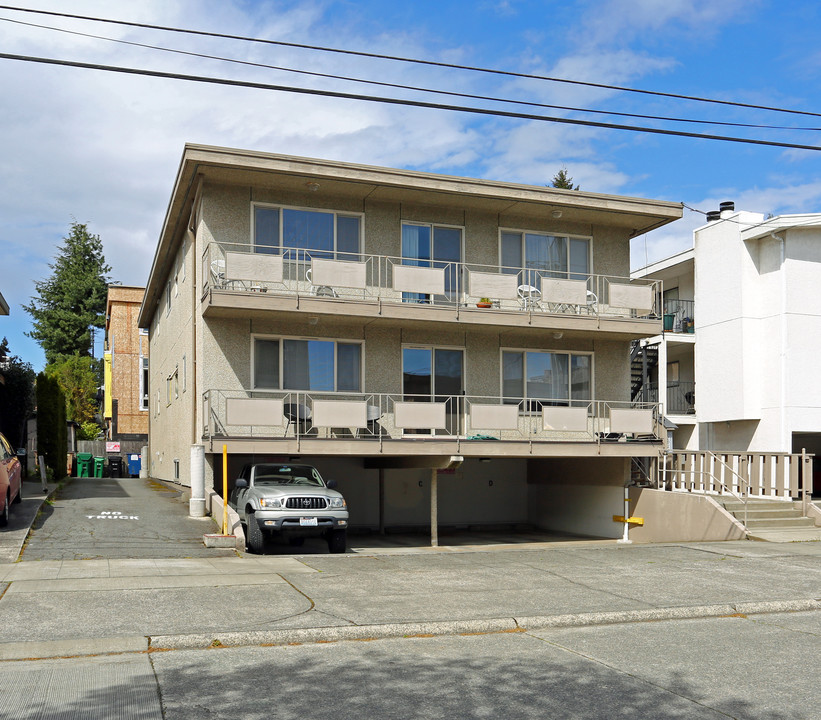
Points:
(747, 378)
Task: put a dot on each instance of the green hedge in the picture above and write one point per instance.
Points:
(52, 435)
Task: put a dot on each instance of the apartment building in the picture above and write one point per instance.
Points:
(125, 366)
(450, 350)
(742, 333)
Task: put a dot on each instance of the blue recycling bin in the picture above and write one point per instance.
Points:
(134, 465)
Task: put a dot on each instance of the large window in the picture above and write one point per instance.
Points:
(434, 375)
(143, 383)
(540, 255)
(436, 246)
(550, 378)
(296, 364)
(299, 234)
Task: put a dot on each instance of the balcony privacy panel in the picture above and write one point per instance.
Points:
(336, 273)
(564, 292)
(623, 420)
(634, 297)
(493, 285)
(253, 411)
(565, 418)
(419, 416)
(429, 281)
(253, 267)
(494, 417)
(340, 413)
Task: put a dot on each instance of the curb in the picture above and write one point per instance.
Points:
(298, 636)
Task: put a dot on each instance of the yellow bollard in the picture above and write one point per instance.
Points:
(224, 489)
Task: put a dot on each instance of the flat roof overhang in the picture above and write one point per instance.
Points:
(361, 182)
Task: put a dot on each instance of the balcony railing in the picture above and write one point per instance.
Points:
(385, 279)
(679, 316)
(681, 397)
(385, 416)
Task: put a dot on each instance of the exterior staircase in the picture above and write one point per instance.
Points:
(642, 360)
(772, 520)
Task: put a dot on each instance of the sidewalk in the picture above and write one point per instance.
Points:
(87, 607)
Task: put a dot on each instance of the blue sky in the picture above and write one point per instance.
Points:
(104, 148)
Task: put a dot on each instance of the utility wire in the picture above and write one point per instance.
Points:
(417, 61)
(398, 101)
(405, 87)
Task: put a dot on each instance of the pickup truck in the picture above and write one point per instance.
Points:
(289, 501)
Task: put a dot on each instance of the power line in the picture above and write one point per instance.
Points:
(398, 101)
(399, 86)
(417, 61)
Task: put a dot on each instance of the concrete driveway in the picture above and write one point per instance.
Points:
(99, 518)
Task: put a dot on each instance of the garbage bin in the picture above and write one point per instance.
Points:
(115, 467)
(668, 321)
(134, 465)
(99, 463)
(83, 465)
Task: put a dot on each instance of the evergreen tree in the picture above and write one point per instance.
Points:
(72, 301)
(563, 181)
(52, 435)
(16, 395)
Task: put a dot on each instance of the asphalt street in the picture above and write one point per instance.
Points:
(150, 624)
(760, 668)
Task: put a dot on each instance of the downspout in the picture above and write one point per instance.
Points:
(191, 232)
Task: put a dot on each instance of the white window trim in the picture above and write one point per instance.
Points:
(546, 233)
(422, 346)
(328, 211)
(335, 340)
(589, 353)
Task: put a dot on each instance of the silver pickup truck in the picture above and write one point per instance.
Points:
(292, 501)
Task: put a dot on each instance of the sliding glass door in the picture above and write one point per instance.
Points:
(433, 246)
(435, 375)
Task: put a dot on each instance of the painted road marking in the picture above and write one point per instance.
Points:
(112, 515)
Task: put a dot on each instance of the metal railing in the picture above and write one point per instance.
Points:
(681, 397)
(679, 315)
(459, 284)
(393, 416)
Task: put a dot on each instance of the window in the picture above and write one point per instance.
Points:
(434, 375)
(542, 255)
(321, 234)
(168, 298)
(143, 383)
(433, 246)
(560, 378)
(297, 364)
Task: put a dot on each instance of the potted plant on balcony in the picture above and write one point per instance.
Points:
(484, 303)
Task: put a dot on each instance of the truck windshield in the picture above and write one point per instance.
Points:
(287, 475)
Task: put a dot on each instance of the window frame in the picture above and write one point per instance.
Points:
(546, 233)
(281, 338)
(335, 252)
(432, 348)
(534, 404)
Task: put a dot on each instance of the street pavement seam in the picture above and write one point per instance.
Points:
(194, 641)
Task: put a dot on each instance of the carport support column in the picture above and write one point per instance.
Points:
(196, 505)
(434, 508)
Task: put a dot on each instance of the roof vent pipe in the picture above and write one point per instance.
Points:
(713, 215)
(727, 207)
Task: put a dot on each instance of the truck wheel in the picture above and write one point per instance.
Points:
(255, 537)
(337, 541)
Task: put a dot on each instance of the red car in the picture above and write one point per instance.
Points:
(11, 475)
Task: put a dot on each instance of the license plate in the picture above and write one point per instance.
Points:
(307, 522)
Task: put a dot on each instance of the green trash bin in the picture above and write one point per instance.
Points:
(99, 464)
(83, 465)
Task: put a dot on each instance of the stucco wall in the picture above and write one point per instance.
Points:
(577, 495)
(679, 517)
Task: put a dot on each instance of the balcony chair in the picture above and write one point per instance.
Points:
(320, 290)
(299, 415)
(530, 297)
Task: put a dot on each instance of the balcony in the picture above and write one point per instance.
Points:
(402, 424)
(398, 288)
(681, 397)
(679, 316)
